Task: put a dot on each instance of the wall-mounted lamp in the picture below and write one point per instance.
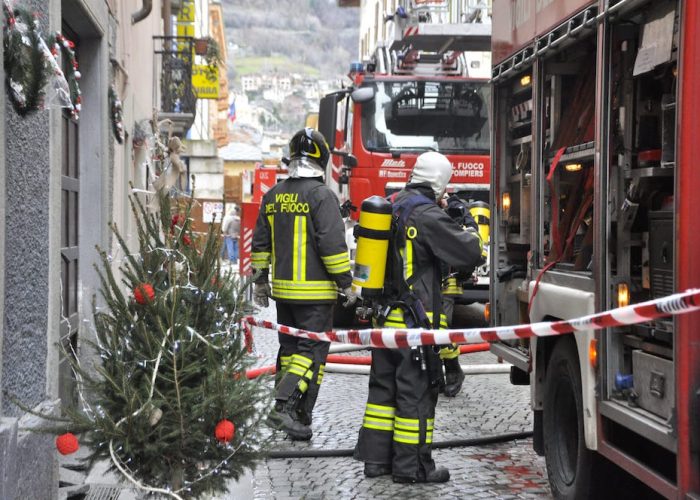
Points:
(526, 80)
(573, 167)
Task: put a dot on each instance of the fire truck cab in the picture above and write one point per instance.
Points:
(594, 186)
(425, 89)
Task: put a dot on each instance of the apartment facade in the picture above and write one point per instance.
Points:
(62, 182)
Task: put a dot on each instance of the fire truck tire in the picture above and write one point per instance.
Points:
(571, 467)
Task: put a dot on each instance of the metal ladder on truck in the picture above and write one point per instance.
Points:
(437, 37)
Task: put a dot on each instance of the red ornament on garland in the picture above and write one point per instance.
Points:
(176, 220)
(144, 293)
(224, 431)
(187, 240)
(67, 443)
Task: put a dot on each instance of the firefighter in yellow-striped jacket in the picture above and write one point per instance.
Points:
(300, 235)
(397, 428)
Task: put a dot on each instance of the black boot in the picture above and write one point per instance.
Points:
(454, 377)
(304, 417)
(294, 429)
(284, 417)
(376, 470)
(274, 418)
(289, 421)
(440, 475)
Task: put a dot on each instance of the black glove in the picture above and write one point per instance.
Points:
(458, 211)
(469, 223)
(347, 208)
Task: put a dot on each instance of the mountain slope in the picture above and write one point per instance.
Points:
(311, 33)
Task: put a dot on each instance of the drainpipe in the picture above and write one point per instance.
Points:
(142, 14)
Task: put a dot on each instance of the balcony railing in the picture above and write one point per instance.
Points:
(173, 58)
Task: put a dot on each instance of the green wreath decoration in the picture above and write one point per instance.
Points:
(25, 70)
(115, 106)
(66, 47)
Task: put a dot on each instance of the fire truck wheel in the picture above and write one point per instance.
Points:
(570, 465)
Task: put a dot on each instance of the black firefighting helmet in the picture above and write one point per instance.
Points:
(308, 154)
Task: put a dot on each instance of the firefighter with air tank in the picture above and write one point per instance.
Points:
(401, 287)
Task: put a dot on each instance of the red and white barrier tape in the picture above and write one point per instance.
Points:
(679, 303)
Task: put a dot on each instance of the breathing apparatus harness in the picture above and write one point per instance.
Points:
(397, 291)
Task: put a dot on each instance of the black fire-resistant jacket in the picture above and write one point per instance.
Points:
(301, 236)
(432, 237)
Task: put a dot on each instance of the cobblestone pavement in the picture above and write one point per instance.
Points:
(487, 405)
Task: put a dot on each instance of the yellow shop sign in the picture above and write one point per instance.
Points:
(205, 81)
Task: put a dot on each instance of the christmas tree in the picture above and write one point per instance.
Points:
(170, 404)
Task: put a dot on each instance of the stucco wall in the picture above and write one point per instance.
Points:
(27, 251)
(2, 239)
(28, 356)
(30, 236)
(134, 71)
(30, 220)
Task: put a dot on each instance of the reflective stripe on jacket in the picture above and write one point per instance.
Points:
(300, 235)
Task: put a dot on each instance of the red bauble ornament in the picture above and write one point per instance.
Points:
(187, 240)
(177, 219)
(144, 293)
(224, 431)
(67, 443)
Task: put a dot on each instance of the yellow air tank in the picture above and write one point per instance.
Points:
(373, 233)
(482, 215)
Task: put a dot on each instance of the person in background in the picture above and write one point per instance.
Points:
(454, 376)
(231, 230)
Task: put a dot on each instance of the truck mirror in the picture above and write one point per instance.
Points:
(327, 117)
(349, 160)
(363, 94)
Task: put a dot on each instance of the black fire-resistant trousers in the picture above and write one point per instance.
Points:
(397, 428)
(301, 362)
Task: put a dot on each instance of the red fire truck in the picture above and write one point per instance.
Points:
(417, 94)
(595, 139)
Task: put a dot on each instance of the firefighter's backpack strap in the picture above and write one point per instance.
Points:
(401, 211)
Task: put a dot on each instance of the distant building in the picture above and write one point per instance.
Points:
(240, 160)
(251, 83)
(274, 94)
(284, 83)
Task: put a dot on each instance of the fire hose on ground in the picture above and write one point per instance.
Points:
(453, 443)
